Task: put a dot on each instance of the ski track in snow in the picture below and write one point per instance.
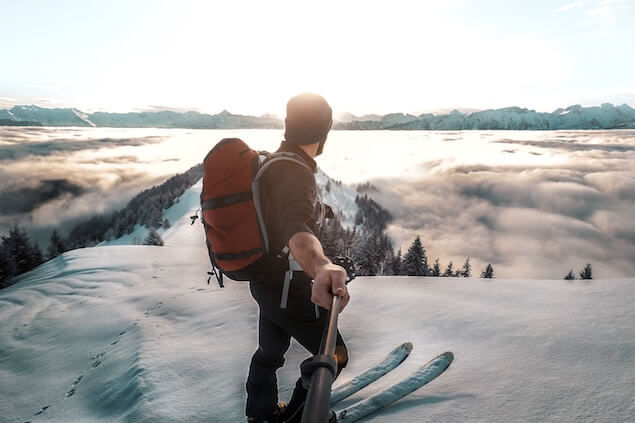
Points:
(133, 333)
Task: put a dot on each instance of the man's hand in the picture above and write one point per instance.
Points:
(330, 279)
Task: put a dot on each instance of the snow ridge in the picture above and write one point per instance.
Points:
(606, 116)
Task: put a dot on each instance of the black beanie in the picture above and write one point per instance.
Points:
(309, 119)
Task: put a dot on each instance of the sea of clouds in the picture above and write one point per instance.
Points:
(537, 220)
(533, 203)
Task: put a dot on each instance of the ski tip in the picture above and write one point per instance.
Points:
(448, 356)
(407, 346)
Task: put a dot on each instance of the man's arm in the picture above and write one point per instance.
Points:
(328, 278)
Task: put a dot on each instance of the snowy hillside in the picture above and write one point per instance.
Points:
(134, 333)
(340, 197)
(46, 117)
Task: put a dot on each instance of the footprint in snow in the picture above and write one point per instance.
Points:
(42, 410)
(98, 356)
(96, 363)
(114, 342)
(74, 384)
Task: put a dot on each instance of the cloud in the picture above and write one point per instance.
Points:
(18, 151)
(572, 145)
(535, 222)
(24, 200)
(46, 183)
(113, 160)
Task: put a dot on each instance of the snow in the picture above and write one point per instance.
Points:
(341, 198)
(83, 116)
(134, 333)
(178, 216)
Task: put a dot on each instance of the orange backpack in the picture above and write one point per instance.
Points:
(236, 235)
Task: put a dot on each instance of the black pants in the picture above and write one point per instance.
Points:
(276, 327)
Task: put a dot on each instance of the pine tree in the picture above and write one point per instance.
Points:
(166, 224)
(436, 269)
(449, 270)
(415, 260)
(327, 187)
(397, 268)
(359, 218)
(587, 272)
(570, 276)
(154, 217)
(488, 273)
(466, 272)
(37, 256)
(23, 253)
(7, 266)
(110, 234)
(153, 238)
(364, 256)
(56, 245)
(389, 259)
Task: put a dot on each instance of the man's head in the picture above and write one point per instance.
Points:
(309, 119)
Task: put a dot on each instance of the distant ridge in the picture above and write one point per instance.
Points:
(40, 116)
(606, 116)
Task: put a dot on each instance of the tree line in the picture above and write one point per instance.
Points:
(372, 250)
(585, 273)
(19, 255)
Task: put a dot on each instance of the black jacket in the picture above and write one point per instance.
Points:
(290, 199)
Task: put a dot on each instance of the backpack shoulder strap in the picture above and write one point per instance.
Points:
(255, 187)
(278, 157)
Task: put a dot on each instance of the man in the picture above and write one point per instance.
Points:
(291, 210)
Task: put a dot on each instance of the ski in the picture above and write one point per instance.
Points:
(377, 370)
(426, 373)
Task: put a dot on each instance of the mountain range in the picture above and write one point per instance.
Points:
(606, 116)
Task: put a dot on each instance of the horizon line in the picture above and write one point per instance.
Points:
(181, 110)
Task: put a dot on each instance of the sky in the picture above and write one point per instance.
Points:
(363, 56)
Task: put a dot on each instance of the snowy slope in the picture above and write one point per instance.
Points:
(133, 333)
(340, 197)
(179, 217)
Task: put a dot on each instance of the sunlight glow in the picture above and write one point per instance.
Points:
(249, 57)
